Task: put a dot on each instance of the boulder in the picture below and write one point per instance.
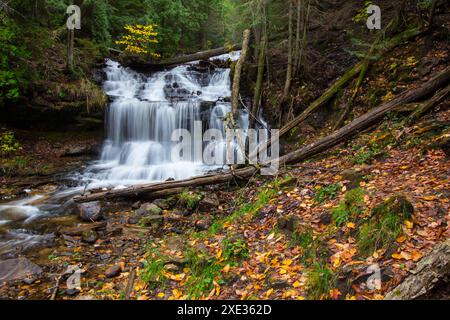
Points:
(164, 204)
(13, 214)
(18, 269)
(90, 211)
(152, 221)
(113, 271)
(148, 209)
(210, 202)
(89, 236)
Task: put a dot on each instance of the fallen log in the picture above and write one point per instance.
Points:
(429, 280)
(203, 55)
(358, 125)
(357, 69)
(375, 115)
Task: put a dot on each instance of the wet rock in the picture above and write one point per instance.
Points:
(13, 214)
(72, 292)
(148, 209)
(113, 272)
(18, 269)
(90, 211)
(89, 236)
(209, 203)
(152, 221)
(79, 151)
(164, 204)
(136, 205)
(172, 268)
(203, 225)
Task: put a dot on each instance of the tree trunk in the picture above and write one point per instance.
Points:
(429, 280)
(354, 128)
(348, 108)
(288, 82)
(237, 75)
(259, 82)
(203, 55)
(426, 106)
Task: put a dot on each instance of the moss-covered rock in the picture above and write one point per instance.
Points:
(384, 225)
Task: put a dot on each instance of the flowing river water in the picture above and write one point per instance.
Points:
(143, 113)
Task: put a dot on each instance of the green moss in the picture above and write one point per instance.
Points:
(204, 271)
(349, 209)
(235, 250)
(327, 193)
(321, 280)
(190, 200)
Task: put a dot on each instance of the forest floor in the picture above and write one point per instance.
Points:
(271, 239)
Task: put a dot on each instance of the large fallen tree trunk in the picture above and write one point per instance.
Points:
(343, 81)
(429, 280)
(358, 125)
(203, 55)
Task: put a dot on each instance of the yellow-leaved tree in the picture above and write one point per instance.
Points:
(140, 39)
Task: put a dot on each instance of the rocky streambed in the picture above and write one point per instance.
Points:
(100, 241)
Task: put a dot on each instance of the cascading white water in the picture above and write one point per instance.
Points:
(144, 113)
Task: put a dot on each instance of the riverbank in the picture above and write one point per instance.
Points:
(44, 158)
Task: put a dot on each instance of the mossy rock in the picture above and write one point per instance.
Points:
(398, 205)
(190, 200)
(152, 221)
(354, 178)
(384, 225)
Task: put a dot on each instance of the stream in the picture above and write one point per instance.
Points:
(143, 113)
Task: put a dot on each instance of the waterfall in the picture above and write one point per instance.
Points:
(144, 112)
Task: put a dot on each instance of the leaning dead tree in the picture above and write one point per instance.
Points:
(237, 75)
(354, 128)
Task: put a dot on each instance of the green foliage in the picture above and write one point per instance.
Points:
(304, 239)
(362, 15)
(321, 280)
(384, 225)
(96, 20)
(235, 250)
(327, 193)
(190, 199)
(153, 270)
(13, 76)
(350, 208)
(8, 143)
(204, 271)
